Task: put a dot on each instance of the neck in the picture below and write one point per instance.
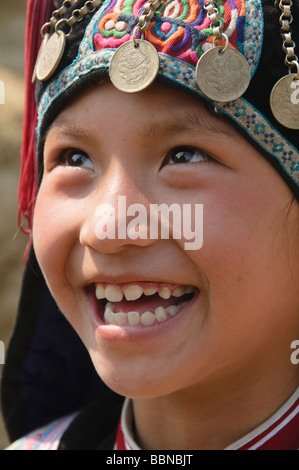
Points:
(207, 418)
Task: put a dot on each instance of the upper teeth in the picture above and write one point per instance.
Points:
(134, 292)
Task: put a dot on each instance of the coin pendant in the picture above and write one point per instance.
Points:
(51, 56)
(223, 75)
(284, 101)
(42, 46)
(134, 66)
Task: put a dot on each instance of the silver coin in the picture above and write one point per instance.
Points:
(50, 56)
(134, 66)
(42, 46)
(284, 101)
(223, 75)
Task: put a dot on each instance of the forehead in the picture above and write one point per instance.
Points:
(157, 110)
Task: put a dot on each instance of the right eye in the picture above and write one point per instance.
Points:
(77, 158)
(186, 154)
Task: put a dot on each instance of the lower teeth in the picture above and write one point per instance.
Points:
(160, 314)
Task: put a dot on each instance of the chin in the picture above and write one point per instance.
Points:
(137, 378)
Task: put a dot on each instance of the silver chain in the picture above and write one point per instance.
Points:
(149, 11)
(288, 46)
(57, 16)
(214, 15)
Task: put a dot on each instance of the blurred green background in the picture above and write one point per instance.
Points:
(12, 241)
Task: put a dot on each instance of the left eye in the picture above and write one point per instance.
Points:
(186, 155)
(79, 159)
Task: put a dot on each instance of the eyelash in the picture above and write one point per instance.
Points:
(65, 156)
(181, 153)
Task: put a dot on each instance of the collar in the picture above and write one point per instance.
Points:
(125, 435)
(279, 432)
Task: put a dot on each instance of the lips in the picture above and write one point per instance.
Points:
(141, 303)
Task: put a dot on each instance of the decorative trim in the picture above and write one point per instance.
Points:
(249, 119)
(276, 432)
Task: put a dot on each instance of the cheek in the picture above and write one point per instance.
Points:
(243, 254)
(54, 232)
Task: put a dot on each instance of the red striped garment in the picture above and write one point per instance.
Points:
(279, 432)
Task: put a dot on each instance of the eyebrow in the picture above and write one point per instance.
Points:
(191, 121)
(186, 121)
(69, 129)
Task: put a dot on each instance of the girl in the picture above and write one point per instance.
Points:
(164, 104)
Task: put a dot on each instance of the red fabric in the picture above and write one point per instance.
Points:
(120, 439)
(38, 12)
(282, 434)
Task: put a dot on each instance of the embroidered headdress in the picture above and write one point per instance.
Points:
(182, 31)
(254, 85)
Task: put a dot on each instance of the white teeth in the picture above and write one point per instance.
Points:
(173, 309)
(120, 318)
(165, 293)
(178, 292)
(189, 289)
(150, 291)
(109, 315)
(110, 306)
(133, 292)
(133, 318)
(100, 292)
(147, 318)
(161, 314)
(113, 294)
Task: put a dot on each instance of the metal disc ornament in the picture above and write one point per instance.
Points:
(134, 66)
(50, 56)
(284, 101)
(42, 46)
(223, 74)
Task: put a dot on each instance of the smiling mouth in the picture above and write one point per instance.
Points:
(141, 304)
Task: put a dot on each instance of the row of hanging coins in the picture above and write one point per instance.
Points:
(135, 64)
(284, 99)
(222, 73)
(52, 47)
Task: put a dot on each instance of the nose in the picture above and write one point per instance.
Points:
(117, 214)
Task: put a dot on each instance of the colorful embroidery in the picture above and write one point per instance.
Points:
(181, 33)
(180, 28)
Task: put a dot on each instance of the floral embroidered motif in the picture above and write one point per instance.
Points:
(181, 33)
(180, 28)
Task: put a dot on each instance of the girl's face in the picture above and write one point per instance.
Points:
(236, 301)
